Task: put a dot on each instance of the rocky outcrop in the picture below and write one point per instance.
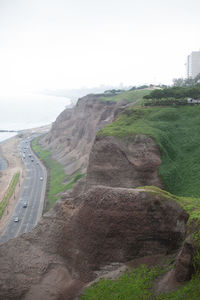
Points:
(127, 163)
(184, 269)
(73, 133)
(79, 237)
(181, 272)
(104, 223)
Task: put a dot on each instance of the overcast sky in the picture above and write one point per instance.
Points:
(60, 44)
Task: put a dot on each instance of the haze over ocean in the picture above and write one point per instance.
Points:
(29, 111)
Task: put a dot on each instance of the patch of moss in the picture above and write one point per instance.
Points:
(189, 204)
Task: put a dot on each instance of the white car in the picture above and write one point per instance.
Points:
(16, 219)
(41, 178)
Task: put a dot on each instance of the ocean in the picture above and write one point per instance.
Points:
(29, 111)
(6, 135)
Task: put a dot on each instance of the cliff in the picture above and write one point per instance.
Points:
(81, 238)
(102, 229)
(73, 133)
(109, 220)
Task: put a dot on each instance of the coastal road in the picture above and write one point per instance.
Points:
(32, 195)
(3, 164)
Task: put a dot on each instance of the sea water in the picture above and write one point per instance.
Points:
(29, 111)
(6, 135)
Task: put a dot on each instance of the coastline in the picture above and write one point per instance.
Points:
(8, 138)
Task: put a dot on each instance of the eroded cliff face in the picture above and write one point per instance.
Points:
(73, 133)
(129, 163)
(80, 237)
(102, 225)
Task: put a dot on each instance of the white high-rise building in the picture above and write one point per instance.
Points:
(193, 64)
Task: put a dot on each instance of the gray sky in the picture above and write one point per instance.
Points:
(53, 44)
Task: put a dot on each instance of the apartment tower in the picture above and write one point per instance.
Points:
(193, 64)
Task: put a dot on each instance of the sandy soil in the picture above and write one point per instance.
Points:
(8, 151)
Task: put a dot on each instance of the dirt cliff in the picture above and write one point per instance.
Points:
(104, 225)
(124, 163)
(73, 133)
(80, 237)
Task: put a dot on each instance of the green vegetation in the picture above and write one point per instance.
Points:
(190, 291)
(129, 96)
(175, 92)
(186, 82)
(135, 284)
(176, 131)
(191, 205)
(165, 101)
(8, 194)
(57, 177)
(172, 96)
(138, 283)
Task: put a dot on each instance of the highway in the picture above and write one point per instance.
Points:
(3, 164)
(32, 195)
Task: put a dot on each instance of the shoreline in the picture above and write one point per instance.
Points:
(7, 139)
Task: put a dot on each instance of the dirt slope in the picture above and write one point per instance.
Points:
(80, 237)
(100, 226)
(73, 133)
(124, 163)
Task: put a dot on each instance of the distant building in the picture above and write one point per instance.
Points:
(193, 101)
(193, 64)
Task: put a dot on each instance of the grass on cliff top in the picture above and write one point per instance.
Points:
(129, 96)
(176, 131)
(56, 175)
(191, 205)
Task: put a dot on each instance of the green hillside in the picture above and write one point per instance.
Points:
(130, 96)
(176, 131)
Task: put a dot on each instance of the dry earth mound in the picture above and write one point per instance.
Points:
(78, 238)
